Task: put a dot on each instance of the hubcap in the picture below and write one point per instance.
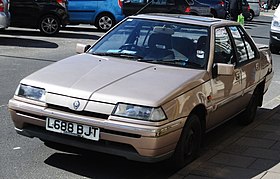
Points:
(105, 22)
(49, 25)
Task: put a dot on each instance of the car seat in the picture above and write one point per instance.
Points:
(200, 54)
(160, 46)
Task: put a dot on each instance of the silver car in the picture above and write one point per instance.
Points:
(254, 9)
(4, 14)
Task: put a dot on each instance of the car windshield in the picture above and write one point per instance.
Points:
(159, 42)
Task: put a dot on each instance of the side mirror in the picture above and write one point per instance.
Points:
(82, 48)
(223, 69)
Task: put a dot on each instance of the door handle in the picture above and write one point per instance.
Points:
(257, 66)
(237, 76)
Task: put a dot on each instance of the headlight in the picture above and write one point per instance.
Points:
(139, 112)
(31, 92)
(275, 25)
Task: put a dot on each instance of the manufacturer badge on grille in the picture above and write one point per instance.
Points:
(76, 105)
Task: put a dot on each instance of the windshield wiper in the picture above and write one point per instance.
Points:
(118, 54)
(173, 62)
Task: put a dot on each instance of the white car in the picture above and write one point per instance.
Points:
(274, 40)
(4, 14)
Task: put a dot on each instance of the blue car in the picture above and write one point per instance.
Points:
(104, 14)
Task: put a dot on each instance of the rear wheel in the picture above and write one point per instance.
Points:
(49, 25)
(251, 15)
(249, 114)
(189, 143)
(104, 22)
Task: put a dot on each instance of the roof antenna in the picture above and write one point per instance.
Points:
(144, 7)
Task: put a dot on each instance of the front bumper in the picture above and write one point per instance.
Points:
(134, 142)
(274, 39)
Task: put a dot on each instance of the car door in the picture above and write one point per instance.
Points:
(248, 61)
(24, 12)
(226, 89)
(82, 10)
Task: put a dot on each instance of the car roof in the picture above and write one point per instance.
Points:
(182, 18)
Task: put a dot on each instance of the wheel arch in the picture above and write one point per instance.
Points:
(252, 12)
(201, 111)
(47, 14)
(102, 13)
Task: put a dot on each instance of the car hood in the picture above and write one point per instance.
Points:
(113, 80)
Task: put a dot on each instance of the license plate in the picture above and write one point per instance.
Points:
(71, 128)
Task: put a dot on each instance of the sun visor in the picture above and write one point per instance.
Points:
(163, 30)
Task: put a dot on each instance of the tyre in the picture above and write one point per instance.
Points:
(249, 114)
(273, 49)
(251, 16)
(189, 143)
(104, 22)
(49, 25)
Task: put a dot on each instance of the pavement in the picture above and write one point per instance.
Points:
(252, 151)
(267, 13)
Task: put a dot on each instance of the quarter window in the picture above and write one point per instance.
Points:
(245, 51)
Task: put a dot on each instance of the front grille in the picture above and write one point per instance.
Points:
(84, 113)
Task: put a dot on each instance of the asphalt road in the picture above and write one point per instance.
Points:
(23, 51)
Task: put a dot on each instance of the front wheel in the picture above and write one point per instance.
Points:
(189, 143)
(104, 22)
(273, 49)
(49, 25)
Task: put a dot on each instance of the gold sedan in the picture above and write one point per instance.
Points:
(148, 89)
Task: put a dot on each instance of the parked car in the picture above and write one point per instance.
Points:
(4, 14)
(192, 7)
(130, 7)
(148, 90)
(218, 7)
(47, 15)
(234, 9)
(200, 9)
(103, 14)
(274, 40)
(254, 9)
